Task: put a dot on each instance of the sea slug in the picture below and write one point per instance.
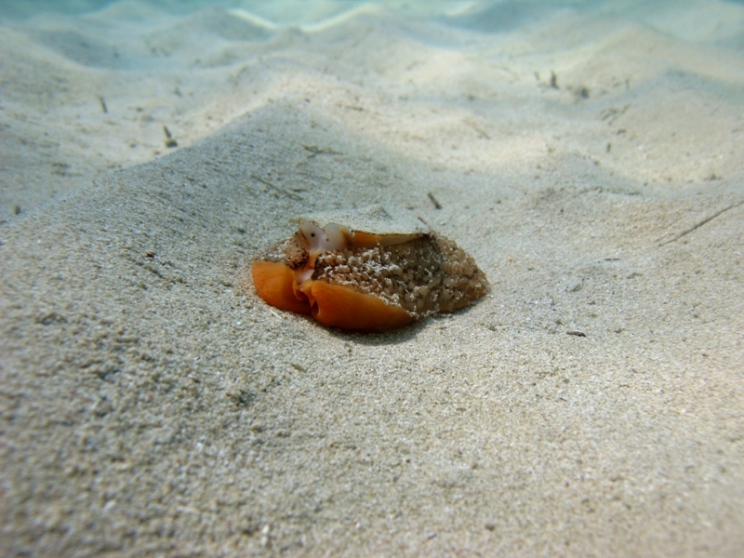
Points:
(371, 273)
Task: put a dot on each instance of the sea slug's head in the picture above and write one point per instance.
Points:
(319, 239)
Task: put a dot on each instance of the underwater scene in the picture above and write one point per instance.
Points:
(382, 278)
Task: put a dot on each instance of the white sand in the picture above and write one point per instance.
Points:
(152, 407)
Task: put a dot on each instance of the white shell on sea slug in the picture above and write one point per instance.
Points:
(373, 219)
(375, 225)
(367, 269)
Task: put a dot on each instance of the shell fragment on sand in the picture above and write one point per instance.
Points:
(374, 272)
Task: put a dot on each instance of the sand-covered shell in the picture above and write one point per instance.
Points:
(367, 269)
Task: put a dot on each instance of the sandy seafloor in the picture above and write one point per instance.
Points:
(588, 155)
